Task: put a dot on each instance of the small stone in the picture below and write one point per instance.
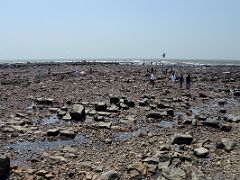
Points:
(67, 133)
(201, 152)
(182, 139)
(229, 144)
(52, 132)
(110, 175)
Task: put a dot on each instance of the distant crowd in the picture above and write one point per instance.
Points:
(173, 76)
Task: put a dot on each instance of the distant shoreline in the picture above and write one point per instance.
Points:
(194, 62)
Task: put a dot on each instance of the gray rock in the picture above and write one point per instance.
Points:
(212, 122)
(4, 167)
(110, 175)
(114, 100)
(198, 175)
(53, 132)
(201, 152)
(67, 117)
(172, 174)
(157, 115)
(151, 160)
(228, 144)
(182, 139)
(67, 133)
(78, 112)
(101, 106)
(105, 125)
(231, 118)
(144, 102)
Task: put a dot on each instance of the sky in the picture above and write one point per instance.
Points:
(59, 29)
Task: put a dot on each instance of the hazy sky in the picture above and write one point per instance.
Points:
(119, 29)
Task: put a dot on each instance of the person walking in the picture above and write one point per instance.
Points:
(181, 80)
(152, 79)
(188, 81)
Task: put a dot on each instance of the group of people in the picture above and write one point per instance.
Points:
(173, 77)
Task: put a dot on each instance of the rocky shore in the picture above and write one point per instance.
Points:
(104, 121)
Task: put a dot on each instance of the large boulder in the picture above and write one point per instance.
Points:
(4, 167)
(77, 112)
(182, 139)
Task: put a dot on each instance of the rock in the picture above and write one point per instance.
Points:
(198, 175)
(151, 160)
(228, 144)
(172, 174)
(156, 115)
(202, 95)
(165, 147)
(134, 174)
(226, 127)
(105, 125)
(113, 108)
(144, 102)
(182, 139)
(231, 118)
(61, 113)
(67, 133)
(101, 106)
(130, 104)
(201, 152)
(78, 112)
(53, 132)
(110, 175)
(114, 100)
(67, 117)
(99, 118)
(44, 101)
(212, 122)
(123, 106)
(236, 93)
(221, 102)
(222, 110)
(136, 166)
(4, 167)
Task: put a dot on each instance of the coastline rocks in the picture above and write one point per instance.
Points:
(4, 167)
(110, 175)
(77, 112)
(182, 139)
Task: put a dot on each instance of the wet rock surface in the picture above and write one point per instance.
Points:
(109, 123)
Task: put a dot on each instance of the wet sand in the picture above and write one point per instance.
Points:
(125, 128)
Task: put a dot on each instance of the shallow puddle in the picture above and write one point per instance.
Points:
(124, 136)
(52, 119)
(167, 124)
(28, 149)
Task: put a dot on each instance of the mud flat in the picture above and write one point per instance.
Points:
(104, 121)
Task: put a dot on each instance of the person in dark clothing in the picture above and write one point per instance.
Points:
(188, 81)
(181, 80)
